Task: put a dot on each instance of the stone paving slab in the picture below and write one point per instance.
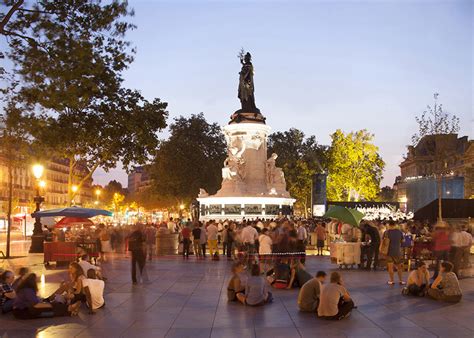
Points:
(188, 299)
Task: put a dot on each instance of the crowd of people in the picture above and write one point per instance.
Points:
(267, 254)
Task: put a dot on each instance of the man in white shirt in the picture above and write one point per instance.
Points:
(212, 231)
(86, 266)
(248, 237)
(94, 291)
(302, 233)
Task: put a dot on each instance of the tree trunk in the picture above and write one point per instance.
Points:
(440, 197)
(10, 204)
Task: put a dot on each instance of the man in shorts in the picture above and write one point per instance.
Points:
(394, 256)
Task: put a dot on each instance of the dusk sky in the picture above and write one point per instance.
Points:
(319, 66)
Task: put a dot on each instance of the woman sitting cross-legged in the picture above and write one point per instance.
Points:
(72, 291)
(446, 286)
(418, 281)
(236, 284)
(334, 301)
(27, 305)
(256, 289)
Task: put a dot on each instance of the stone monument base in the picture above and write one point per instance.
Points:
(237, 208)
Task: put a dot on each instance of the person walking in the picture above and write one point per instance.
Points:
(197, 240)
(150, 234)
(394, 255)
(136, 245)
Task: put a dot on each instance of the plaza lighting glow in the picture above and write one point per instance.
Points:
(42, 184)
(38, 171)
(181, 206)
(74, 188)
(98, 192)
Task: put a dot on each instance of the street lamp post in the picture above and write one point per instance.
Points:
(37, 238)
(97, 194)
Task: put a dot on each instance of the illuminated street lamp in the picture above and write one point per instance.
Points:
(74, 190)
(37, 238)
(97, 194)
(181, 208)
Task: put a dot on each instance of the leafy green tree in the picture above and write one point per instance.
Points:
(300, 158)
(354, 167)
(386, 194)
(14, 153)
(434, 123)
(69, 57)
(190, 159)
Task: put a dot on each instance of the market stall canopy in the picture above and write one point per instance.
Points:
(72, 212)
(69, 221)
(346, 215)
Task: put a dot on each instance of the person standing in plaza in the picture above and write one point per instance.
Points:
(197, 240)
(212, 231)
(394, 255)
(171, 226)
(441, 245)
(373, 248)
(320, 238)
(456, 253)
(186, 235)
(248, 237)
(203, 239)
(466, 244)
(150, 234)
(230, 241)
(136, 245)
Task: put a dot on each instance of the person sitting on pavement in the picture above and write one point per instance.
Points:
(27, 305)
(298, 275)
(7, 292)
(256, 289)
(335, 303)
(281, 274)
(22, 273)
(94, 291)
(308, 297)
(446, 286)
(237, 283)
(86, 266)
(418, 281)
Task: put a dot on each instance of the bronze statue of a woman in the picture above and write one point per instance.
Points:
(246, 85)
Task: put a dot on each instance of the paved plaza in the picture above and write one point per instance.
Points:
(189, 299)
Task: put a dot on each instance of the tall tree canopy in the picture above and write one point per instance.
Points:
(300, 158)
(190, 159)
(69, 56)
(354, 167)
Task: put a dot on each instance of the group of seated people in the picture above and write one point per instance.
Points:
(332, 300)
(445, 286)
(20, 295)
